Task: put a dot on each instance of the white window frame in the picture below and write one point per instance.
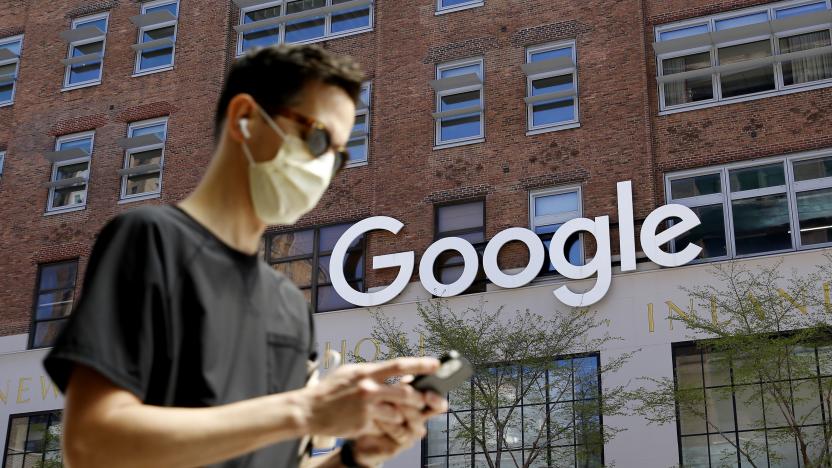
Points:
(137, 71)
(710, 22)
(16, 61)
(437, 122)
(364, 111)
(560, 218)
(102, 38)
(281, 26)
(462, 6)
(88, 159)
(566, 124)
(791, 189)
(133, 126)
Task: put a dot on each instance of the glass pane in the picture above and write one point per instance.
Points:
(690, 89)
(457, 441)
(825, 360)
(723, 453)
(47, 332)
(306, 28)
(53, 434)
(716, 369)
(695, 186)
(455, 128)
(749, 407)
(158, 130)
(171, 7)
(460, 216)
(75, 195)
(58, 276)
(292, 244)
(695, 452)
(758, 177)
(459, 100)
(449, 275)
(513, 430)
(807, 402)
(772, 405)
(747, 81)
(100, 23)
(586, 377)
(782, 448)
(347, 20)
(33, 460)
(555, 203)
(761, 224)
(463, 70)
(814, 439)
(353, 267)
(436, 462)
(85, 72)
(552, 84)
(357, 149)
(144, 183)
(683, 32)
(267, 36)
(17, 434)
(300, 271)
(692, 417)
(437, 435)
(153, 58)
(573, 248)
(70, 171)
(563, 456)
(158, 33)
(814, 210)
(720, 408)
(742, 21)
(91, 48)
(13, 47)
(560, 381)
(146, 157)
(753, 444)
(54, 304)
(688, 368)
(6, 91)
(800, 10)
(83, 143)
(812, 169)
(331, 234)
(360, 123)
(710, 234)
(328, 299)
(550, 54)
(561, 424)
(552, 112)
(14, 461)
(806, 69)
(37, 428)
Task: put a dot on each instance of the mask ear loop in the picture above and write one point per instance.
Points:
(271, 122)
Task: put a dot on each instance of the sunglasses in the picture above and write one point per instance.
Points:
(317, 138)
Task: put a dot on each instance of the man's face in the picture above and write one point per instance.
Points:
(328, 104)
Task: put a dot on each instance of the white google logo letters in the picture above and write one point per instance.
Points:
(600, 265)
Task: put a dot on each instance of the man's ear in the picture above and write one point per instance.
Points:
(240, 109)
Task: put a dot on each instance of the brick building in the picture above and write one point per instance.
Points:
(477, 116)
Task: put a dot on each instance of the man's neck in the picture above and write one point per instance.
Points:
(222, 203)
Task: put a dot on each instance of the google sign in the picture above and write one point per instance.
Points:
(600, 265)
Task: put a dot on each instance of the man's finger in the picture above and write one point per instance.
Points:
(402, 395)
(402, 366)
(387, 413)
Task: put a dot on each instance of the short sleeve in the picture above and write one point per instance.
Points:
(117, 325)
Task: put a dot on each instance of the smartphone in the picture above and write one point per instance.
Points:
(454, 370)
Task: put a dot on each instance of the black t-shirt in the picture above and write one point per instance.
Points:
(179, 318)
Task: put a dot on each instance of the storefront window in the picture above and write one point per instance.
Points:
(34, 440)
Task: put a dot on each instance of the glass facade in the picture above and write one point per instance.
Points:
(34, 441)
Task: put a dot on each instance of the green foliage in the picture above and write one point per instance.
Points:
(512, 353)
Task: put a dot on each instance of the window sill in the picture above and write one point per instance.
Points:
(357, 164)
(58, 211)
(553, 128)
(768, 94)
(137, 198)
(150, 72)
(79, 86)
(459, 143)
(6, 104)
(458, 8)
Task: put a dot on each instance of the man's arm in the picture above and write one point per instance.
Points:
(105, 425)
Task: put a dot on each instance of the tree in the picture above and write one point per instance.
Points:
(767, 333)
(536, 382)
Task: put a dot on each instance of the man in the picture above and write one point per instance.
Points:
(185, 348)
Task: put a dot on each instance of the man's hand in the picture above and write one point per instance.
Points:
(354, 398)
(373, 449)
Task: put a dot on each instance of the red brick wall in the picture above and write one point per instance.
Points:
(621, 136)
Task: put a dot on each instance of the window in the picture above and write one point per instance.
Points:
(265, 22)
(144, 158)
(756, 52)
(34, 440)
(359, 142)
(86, 39)
(551, 87)
(741, 409)
(157, 35)
(443, 6)
(9, 62)
(467, 221)
(754, 208)
(70, 172)
(549, 209)
(459, 102)
(303, 256)
(560, 411)
(53, 303)
(2, 161)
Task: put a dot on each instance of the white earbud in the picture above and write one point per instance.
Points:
(244, 127)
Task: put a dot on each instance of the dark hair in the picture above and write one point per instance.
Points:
(274, 76)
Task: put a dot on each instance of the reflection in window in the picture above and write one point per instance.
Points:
(466, 221)
(53, 303)
(34, 440)
(550, 209)
(303, 256)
